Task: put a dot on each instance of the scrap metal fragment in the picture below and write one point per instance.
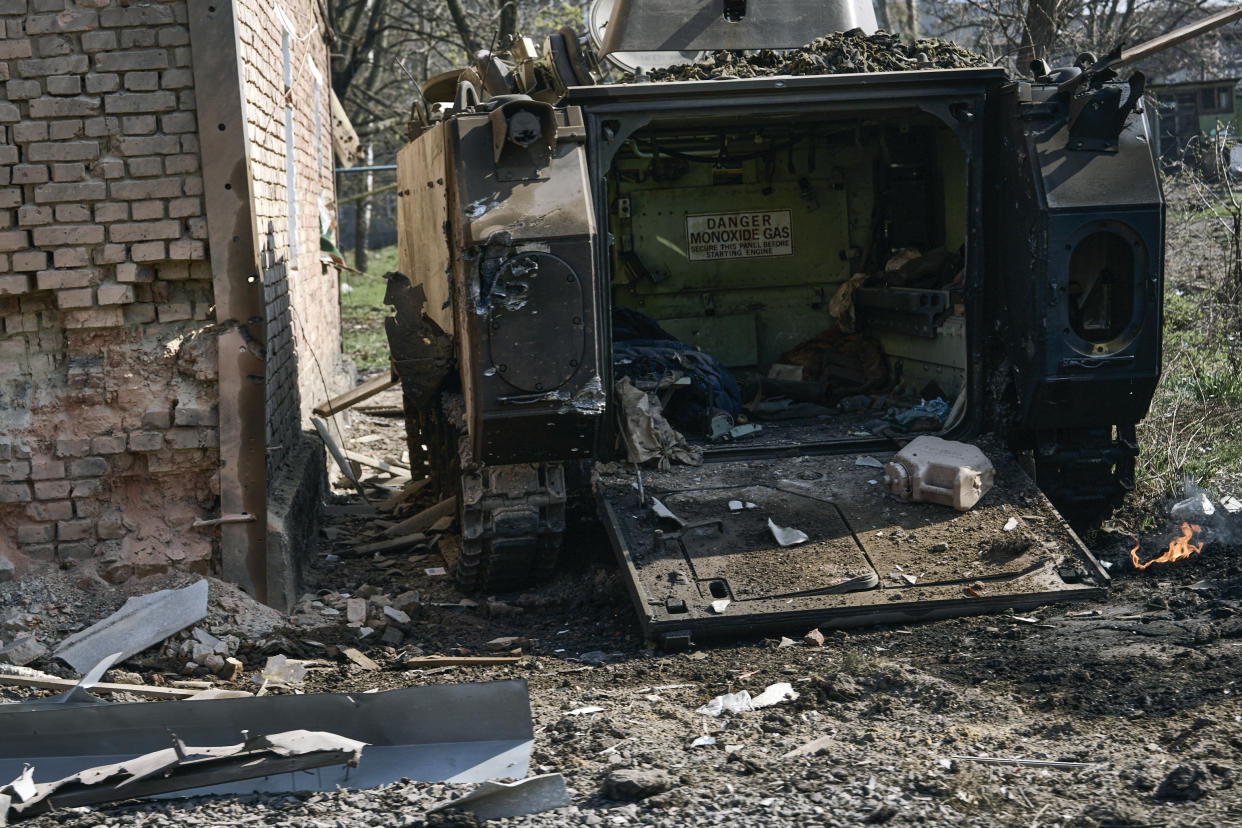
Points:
(787, 535)
(140, 622)
(438, 733)
(498, 800)
(180, 767)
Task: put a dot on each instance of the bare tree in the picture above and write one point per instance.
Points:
(1058, 30)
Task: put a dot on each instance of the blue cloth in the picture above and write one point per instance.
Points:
(712, 388)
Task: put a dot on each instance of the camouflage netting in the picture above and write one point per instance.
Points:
(836, 54)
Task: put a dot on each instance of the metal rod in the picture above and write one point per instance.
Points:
(372, 168)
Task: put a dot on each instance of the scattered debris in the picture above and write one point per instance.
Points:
(814, 638)
(1195, 507)
(354, 655)
(421, 662)
(181, 767)
(52, 683)
(703, 741)
(582, 711)
(1039, 763)
(720, 605)
(425, 519)
(631, 784)
(852, 51)
(442, 732)
(869, 461)
(786, 642)
(280, 671)
(664, 512)
(787, 536)
(499, 800)
(356, 395)
(1229, 503)
(1010, 525)
(742, 702)
(139, 623)
(22, 651)
(933, 470)
(811, 748)
(436, 571)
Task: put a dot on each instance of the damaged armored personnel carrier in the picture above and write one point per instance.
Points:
(763, 273)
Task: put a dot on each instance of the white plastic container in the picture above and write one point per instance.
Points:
(932, 470)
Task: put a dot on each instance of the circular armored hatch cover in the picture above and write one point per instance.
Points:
(536, 322)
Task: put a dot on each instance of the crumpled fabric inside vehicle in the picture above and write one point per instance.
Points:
(648, 435)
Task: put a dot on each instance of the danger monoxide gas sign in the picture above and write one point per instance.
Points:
(741, 235)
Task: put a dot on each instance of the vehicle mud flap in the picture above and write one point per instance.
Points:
(512, 523)
(723, 563)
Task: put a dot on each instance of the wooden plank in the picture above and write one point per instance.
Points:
(358, 658)
(356, 395)
(375, 462)
(422, 208)
(460, 661)
(387, 545)
(335, 451)
(101, 687)
(426, 518)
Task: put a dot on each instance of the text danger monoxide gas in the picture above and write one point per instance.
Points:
(741, 235)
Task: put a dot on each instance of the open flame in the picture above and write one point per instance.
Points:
(1179, 548)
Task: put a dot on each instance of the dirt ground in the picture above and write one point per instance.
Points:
(1139, 690)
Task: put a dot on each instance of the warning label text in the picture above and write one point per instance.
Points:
(741, 235)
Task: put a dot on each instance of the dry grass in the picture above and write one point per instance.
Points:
(1192, 431)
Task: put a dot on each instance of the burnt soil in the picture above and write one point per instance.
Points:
(1142, 686)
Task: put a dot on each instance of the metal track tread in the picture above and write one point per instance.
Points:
(513, 520)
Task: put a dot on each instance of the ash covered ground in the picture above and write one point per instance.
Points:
(1142, 687)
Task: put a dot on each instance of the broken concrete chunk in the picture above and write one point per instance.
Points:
(139, 623)
(396, 615)
(868, 460)
(1010, 525)
(281, 671)
(631, 784)
(507, 642)
(355, 611)
(814, 638)
(23, 651)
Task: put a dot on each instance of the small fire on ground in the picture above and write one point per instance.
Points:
(1179, 548)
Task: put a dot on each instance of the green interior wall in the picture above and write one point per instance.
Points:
(748, 311)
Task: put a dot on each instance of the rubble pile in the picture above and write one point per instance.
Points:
(837, 54)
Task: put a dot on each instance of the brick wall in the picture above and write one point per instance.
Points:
(282, 51)
(108, 399)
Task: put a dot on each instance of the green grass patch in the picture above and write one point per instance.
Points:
(363, 311)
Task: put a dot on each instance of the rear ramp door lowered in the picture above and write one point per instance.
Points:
(716, 567)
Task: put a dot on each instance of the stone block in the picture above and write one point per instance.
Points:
(73, 447)
(95, 318)
(67, 279)
(52, 489)
(29, 260)
(88, 467)
(75, 298)
(56, 236)
(152, 251)
(48, 510)
(115, 294)
(15, 493)
(108, 444)
(64, 85)
(14, 284)
(28, 533)
(121, 103)
(146, 440)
